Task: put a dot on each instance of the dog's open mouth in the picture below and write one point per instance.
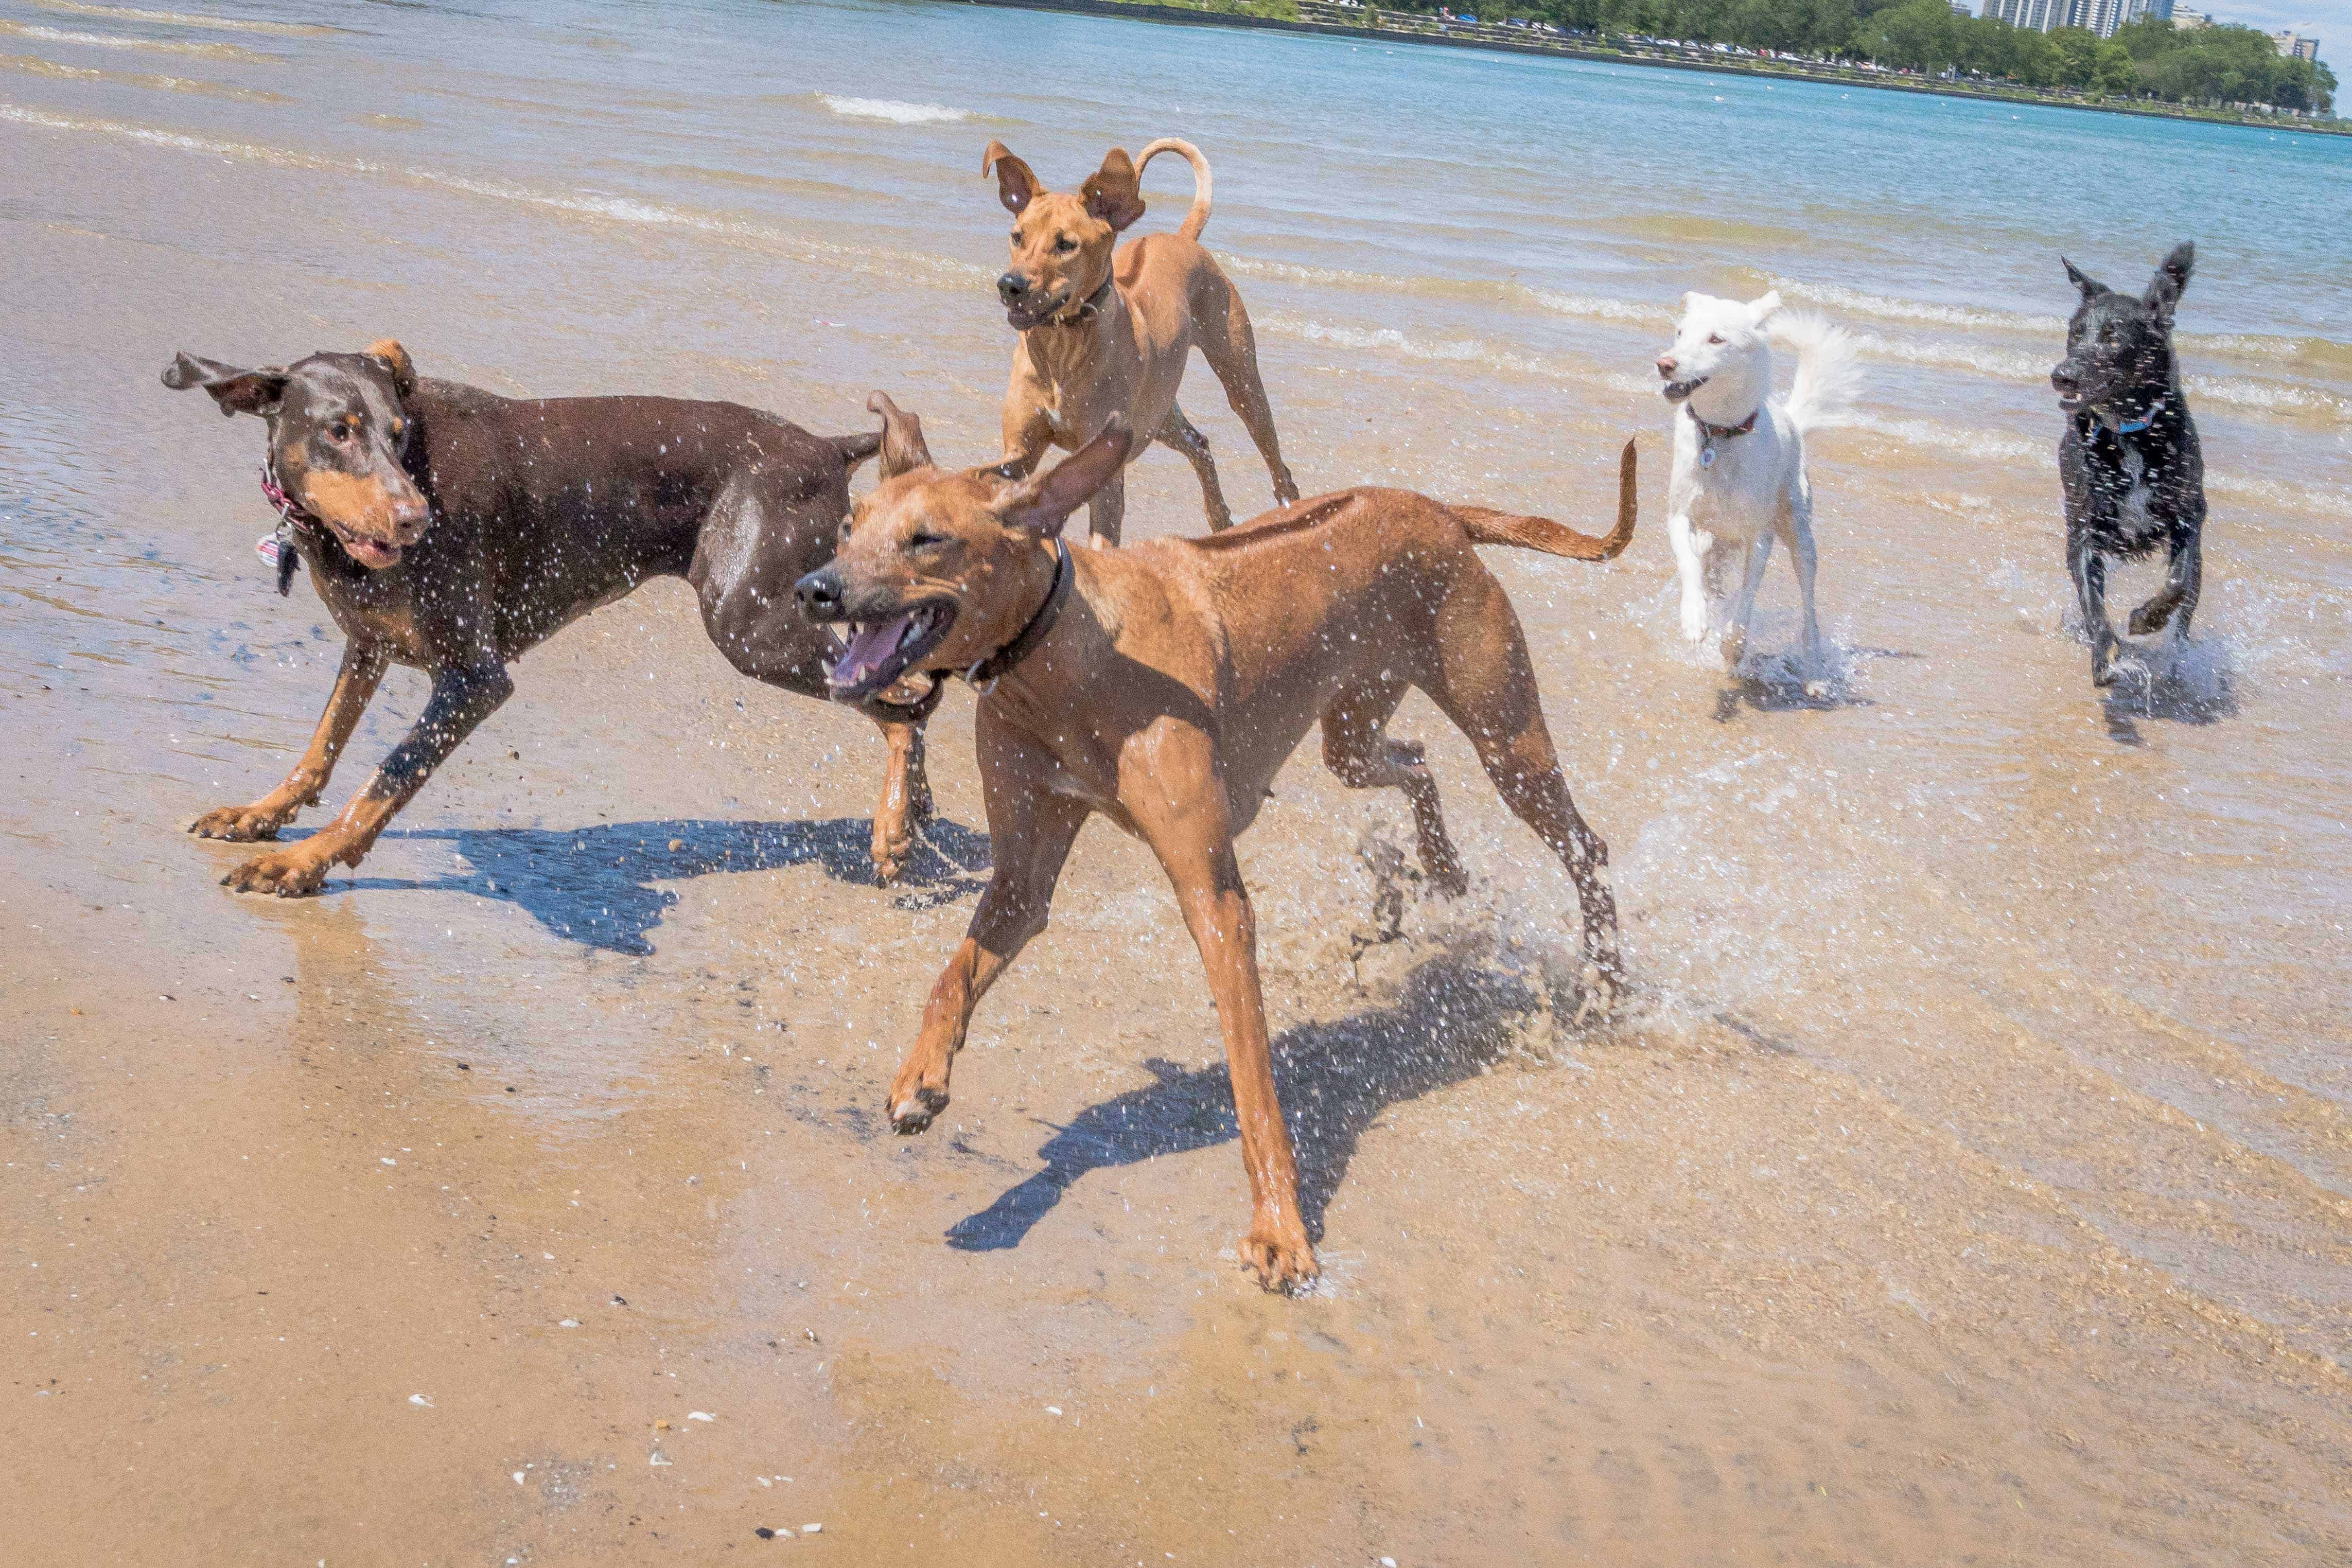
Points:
(374, 554)
(1676, 391)
(880, 652)
(1024, 316)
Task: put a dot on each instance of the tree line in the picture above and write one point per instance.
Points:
(2147, 59)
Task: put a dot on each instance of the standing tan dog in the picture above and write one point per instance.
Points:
(1104, 333)
(1164, 685)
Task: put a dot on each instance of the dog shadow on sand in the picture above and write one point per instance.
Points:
(597, 885)
(1780, 682)
(2188, 682)
(1455, 1018)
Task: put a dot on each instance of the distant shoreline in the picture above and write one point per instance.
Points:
(1145, 10)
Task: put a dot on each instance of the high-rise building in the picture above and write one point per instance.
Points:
(2292, 46)
(2100, 17)
(2184, 20)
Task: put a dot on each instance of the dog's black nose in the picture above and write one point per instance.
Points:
(820, 594)
(1012, 287)
(2065, 380)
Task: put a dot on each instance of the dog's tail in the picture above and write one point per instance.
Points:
(1829, 371)
(1492, 528)
(1202, 186)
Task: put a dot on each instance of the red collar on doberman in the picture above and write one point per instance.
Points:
(292, 519)
(983, 675)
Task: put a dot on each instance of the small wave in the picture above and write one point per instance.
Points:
(1887, 308)
(905, 266)
(894, 111)
(1443, 350)
(185, 19)
(163, 45)
(35, 66)
(1987, 444)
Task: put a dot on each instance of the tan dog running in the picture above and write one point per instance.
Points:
(1165, 684)
(1104, 333)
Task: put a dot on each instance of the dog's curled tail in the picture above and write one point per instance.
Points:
(1486, 527)
(1202, 186)
(1829, 369)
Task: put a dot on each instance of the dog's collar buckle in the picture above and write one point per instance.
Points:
(2136, 426)
(983, 674)
(1088, 309)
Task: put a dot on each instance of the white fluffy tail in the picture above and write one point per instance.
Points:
(1829, 369)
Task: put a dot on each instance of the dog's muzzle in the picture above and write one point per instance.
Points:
(1676, 391)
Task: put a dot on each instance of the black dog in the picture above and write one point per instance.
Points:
(2129, 461)
(451, 530)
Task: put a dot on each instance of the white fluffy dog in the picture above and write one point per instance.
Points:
(1739, 457)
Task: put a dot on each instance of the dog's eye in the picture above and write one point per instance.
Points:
(344, 433)
(1064, 245)
(1715, 338)
(923, 539)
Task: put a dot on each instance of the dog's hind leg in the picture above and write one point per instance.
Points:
(1178, 432)
(905, 796)
(1226, 341)
(1797, 529)
(355, 683)
(1743, 609)
(1356, 749)
(1106, 511)
(2176, 601)
(1486, 684)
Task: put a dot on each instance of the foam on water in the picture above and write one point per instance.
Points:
(106, 41)
(894, 111)
(189, 20)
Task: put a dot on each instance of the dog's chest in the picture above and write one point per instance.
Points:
(2127, 483)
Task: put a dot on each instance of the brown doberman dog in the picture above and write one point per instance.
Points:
(1163, 685)
(450, 529)
(1105, 334)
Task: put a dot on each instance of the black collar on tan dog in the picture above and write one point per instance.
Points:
(983, 675)
(1710, 433)
(1088, 309)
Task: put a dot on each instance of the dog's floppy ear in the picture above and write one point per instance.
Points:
(1045, 501)
(237, 392)
(2090, 287)
(2172, 278)
(396, 359)
(1112, 192)
(902, 438)
(1760, 311)
(1016, 184)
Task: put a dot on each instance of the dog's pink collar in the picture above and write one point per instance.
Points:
(291, 520)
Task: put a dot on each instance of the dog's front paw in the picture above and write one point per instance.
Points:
(1598, 990)
(1282, 1260)
(289, 874)
(2106, 664)
(915, 1104)
(241, 824)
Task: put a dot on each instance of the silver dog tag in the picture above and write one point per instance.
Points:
(1706, 456)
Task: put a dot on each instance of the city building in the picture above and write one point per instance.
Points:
(2184, 20)
(2100, 17)
(2294, 47)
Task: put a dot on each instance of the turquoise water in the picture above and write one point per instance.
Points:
(1532, 217)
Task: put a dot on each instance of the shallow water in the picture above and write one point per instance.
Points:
(1968, 1181)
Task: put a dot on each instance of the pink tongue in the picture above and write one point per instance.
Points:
(868, 649)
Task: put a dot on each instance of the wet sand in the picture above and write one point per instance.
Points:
(1967, 1183)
